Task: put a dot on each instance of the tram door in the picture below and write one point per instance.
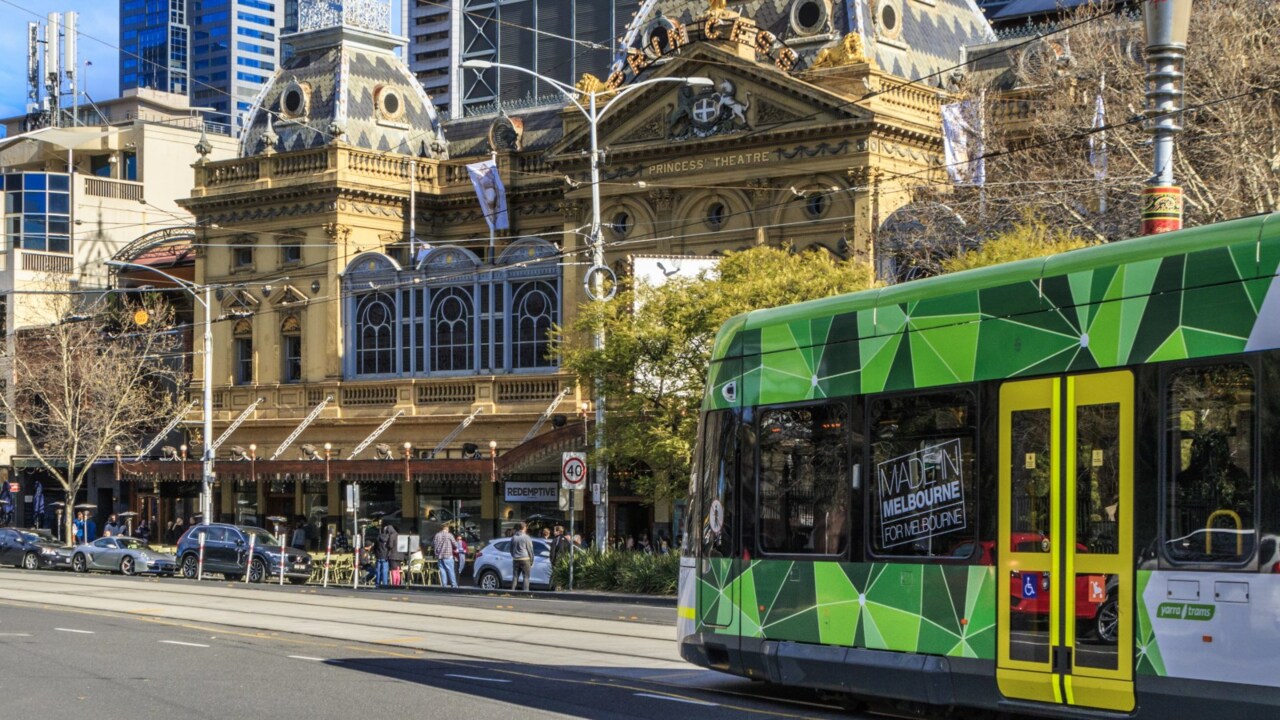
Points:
(1064, 555)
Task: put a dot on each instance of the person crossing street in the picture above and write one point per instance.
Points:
(521, 556)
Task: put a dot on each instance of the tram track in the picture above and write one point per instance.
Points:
(489, 635)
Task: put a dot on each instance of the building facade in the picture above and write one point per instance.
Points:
(74, 197)
(155, 46)
(402, 347)
(220, 53)
(561, 39)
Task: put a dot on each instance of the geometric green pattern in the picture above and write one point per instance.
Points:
(1149, 659)
(935, 609)
(1193, 293)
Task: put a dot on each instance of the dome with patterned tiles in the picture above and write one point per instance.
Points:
(344, 83)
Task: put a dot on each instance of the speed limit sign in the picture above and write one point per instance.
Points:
(573, 470)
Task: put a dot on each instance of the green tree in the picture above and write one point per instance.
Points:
(1032, 237)
(654, 363)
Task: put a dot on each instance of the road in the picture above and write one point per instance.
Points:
(80, 646)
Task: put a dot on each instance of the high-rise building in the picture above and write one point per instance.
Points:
(219, 52)
(561, 39)
(154, 45)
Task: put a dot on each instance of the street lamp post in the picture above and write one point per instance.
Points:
(206, 475)
(206, 479)
(1165, 26)
(598, 273)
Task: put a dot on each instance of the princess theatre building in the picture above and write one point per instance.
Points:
(360, 291)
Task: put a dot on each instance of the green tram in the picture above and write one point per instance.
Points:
(1050, 487)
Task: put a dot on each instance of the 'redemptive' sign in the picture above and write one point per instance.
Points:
(529, 492)
(921, 494)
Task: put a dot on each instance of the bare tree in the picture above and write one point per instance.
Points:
(95, 377)
(1041, 103)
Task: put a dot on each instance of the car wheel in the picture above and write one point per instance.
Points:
(489, 580)
(128, 566)
(31, 562)
(79, 564)
(1107, 621)
(299, 580)
(190, 567)
(257, 571)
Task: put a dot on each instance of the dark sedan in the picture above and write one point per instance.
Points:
(28, 550)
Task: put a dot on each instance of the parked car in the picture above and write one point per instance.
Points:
(26, 549)
(493, 567)
(226, 549)
(125, 555)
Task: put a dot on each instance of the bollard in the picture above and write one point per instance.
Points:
(200, 563)
(328, 551)
(355, 576)
(284, 555)
(248, 563)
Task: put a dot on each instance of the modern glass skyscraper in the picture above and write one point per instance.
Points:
(154, 45)
(218, 52)
(558, 38)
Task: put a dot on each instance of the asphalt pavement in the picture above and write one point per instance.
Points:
(78, 646)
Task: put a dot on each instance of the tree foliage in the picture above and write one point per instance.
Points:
(1030, 238)
(92, 379)
(654, 362)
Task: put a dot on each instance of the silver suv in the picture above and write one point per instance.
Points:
(493, 566)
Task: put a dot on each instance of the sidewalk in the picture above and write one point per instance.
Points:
(664, 601)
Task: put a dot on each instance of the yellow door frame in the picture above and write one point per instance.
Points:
(1056, 681)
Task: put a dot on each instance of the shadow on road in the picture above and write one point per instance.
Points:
(586, 693)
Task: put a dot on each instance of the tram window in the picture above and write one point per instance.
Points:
(805, 482)
(1212, 485)
(922, 486)
(718, 479)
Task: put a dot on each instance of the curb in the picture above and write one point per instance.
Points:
(663, 601)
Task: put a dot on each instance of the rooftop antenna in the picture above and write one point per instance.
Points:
(52, 71)
(69, 63)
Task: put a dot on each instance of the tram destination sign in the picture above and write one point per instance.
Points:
(921, 494)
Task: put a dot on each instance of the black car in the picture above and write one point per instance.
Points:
(26, 549)
(226, 551)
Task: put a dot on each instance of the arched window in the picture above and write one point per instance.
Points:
(291, 349)
(242, 360)
(534, 311)
(449, 329)
(375, 339)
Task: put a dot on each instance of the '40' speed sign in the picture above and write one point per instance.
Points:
(573, 471)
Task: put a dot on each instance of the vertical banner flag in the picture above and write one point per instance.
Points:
(963, 143)
(489, 190)
(1098, 138)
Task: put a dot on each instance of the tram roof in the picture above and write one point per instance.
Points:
(1262, 228)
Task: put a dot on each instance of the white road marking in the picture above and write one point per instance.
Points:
(15, 634)
(184, 644)
(305, 657)
(481, 679)
(677, 699)
(73, 630)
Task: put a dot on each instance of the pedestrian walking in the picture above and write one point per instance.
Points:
(462, 552)
(561, 546)
(299, 539)
(143, 531)
(113, 528)
(521, 556)
(446, 549)
(380, 549)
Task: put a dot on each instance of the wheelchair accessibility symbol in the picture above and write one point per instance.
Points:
(1029, 586)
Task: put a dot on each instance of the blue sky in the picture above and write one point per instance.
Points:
(99, 38)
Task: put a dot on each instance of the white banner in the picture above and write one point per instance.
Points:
(963, 142)
(529, 492)
(491, 193)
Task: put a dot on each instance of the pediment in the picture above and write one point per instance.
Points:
(745, 97)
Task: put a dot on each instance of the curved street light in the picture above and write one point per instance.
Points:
(595, 276)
